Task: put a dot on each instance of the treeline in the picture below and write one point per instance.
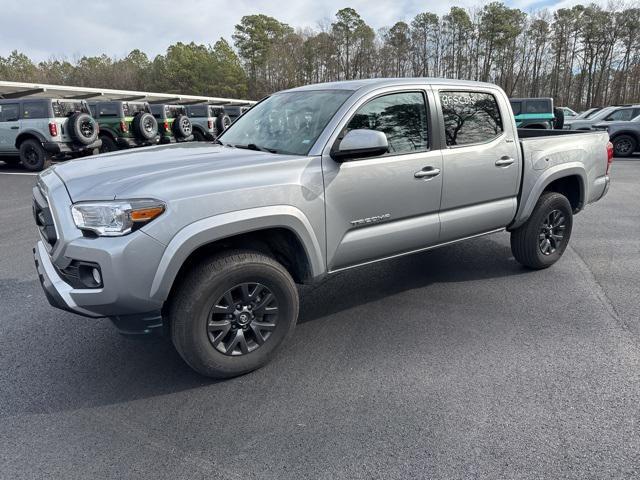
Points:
(582, 56)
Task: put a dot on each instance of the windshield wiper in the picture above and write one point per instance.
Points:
(253, 146)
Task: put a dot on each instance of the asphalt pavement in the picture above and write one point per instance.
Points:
(451, 364)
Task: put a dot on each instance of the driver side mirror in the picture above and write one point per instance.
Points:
(360, 143)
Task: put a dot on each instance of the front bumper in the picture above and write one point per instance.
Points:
(128, 266)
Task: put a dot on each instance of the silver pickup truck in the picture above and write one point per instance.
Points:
(206, 241)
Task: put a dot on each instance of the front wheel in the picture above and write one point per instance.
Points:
(542, 239)
(231, 313)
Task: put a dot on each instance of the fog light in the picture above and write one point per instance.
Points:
(96, 276)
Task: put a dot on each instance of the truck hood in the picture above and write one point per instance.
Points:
(157, 171)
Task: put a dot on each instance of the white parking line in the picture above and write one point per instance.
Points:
(18, 173)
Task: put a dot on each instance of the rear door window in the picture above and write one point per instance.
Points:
(470, 117)
(9, 112)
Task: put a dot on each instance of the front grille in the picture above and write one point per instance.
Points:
(44, 219)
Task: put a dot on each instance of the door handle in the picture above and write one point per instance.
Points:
(427, 172)
(504, 162)
(15, 128)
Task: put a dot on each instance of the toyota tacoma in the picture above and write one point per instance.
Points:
(206, 242)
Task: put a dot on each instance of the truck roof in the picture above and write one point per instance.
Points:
(372, 83)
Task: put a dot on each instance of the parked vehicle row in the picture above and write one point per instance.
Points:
(35, 131)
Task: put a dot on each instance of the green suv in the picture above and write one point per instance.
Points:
(35, 130)
(125, 124)
(173, 123)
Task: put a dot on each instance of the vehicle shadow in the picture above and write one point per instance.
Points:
(477, 259)
(84, 363)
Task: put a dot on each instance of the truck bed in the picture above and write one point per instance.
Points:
(545, 154)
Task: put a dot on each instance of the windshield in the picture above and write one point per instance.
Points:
(287, 122)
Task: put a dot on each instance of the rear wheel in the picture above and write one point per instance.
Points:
(232, 312)
(624, 145)
(108, 144)
(198, 136)
(33, 157)
(541, 241)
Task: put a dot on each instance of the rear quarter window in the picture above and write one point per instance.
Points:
(470, 117)
(35, 110)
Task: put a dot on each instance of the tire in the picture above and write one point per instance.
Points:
(624, 145)
(558, 118)
(144, 126)
(82, 128)
(222, 122)
(33, 157)
(182, 127)
(108, 144)
(207, 285)
(198, 136)
(527, 241)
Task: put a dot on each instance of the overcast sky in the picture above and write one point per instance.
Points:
(73, 28)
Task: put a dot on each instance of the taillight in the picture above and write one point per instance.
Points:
(609, 156)
(210, 124)
(123, 126)
(166, 126)
(53, 129)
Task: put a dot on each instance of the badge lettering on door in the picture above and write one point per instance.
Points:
(374, 219)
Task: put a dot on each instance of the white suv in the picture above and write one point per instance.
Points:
(33, 131)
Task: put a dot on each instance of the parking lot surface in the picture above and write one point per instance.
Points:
(454, 363)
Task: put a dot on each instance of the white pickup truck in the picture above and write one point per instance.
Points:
(207, 240)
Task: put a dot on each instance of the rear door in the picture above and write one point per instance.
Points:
(35, 116)
(481, 162)
(382, 206)
(9, 126)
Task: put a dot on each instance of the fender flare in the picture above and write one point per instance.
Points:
(29, 133)
(218, 227)
(107, 132)
(550, 175)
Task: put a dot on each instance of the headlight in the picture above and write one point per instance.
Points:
(113, 219)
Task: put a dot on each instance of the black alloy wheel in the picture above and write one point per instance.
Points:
(552, 232)
(242, 319)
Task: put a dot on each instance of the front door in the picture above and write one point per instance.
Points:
(383, 206)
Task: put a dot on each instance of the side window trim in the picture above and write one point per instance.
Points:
(425, 101)
(438, 92)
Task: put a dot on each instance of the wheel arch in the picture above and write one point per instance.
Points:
(29, 135)
(631, 133)
(282, 232)
(568, 179)
(107, 132)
